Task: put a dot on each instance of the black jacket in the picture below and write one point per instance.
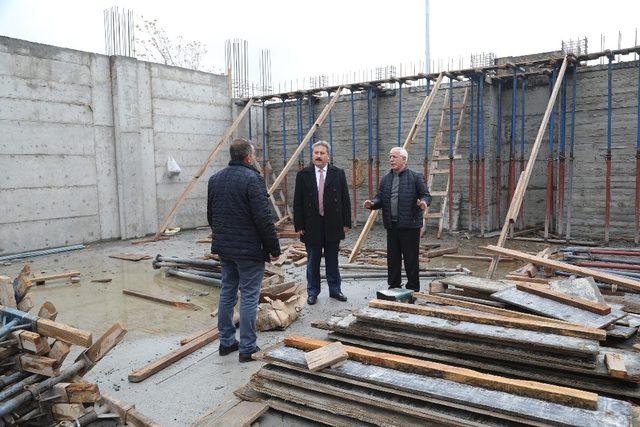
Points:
(412, 187)
(337, 205)
(239, 214)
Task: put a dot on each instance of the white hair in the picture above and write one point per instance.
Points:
(324, 144)
(403, 153)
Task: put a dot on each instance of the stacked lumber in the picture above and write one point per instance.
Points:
(381, 388)
(38, 385)
(560, 343)
(295, 253)
(285, 228)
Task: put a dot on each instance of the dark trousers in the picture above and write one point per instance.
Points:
(314, 254)
(403, 244)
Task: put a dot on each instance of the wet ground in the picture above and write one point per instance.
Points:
(179, 394)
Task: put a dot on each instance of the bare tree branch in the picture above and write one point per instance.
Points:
(154, 44)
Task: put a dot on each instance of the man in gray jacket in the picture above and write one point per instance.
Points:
(403, 196)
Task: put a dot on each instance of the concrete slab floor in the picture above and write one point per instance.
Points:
(179, 394)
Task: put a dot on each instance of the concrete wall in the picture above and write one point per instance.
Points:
(84, 140)
(590, 144)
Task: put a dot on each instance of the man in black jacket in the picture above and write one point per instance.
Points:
(322, 214)
(403, 196)
(245, 237)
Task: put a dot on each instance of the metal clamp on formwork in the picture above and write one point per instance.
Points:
(14, 319)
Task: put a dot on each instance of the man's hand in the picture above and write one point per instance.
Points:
(345, 229)
(368, 204)
(422, 204)
(301, 232)
(274, 258)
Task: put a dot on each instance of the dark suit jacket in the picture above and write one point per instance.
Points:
(337, 205)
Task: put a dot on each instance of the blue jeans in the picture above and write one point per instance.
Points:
(246, 275)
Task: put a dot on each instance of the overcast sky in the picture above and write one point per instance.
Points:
(338, 36)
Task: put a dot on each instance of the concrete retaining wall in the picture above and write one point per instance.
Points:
(84, 141)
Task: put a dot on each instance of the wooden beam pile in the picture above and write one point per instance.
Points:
(561, 338)
(380, 388)
(33, 363)
(295, 253)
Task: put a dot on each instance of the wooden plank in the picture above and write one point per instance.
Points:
(516, 278)
(41, 280)
(338, 403)
(321, 118)
(241, 414)
(59, 351)
(547, 392)
(615, 365)
(63, 332)
(38, 365)
(201, 170)
(541, 341)
(478, 284)
(436, 299)
(468, 347)
(170, 358)
(178, 304)
(545, 292)
(525, 175)
(128, 414)
(106, 342)
(323, 357)
(558, 310)
(492, 319)
(26, 303)
(426, 104)
(32, 342)
(433, 253)
(570, 268)
(130, 256)
(7, 294)
(48, 311)
(23, 282)
(187, 340)
(355, 391)
(610, 386)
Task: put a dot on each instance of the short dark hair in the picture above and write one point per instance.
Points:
(239, 149)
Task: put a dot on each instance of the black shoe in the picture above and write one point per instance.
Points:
(246, 357)
(339, 296)
(312, 300)
(228, 350)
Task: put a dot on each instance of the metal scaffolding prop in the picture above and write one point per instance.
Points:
(201, 170)
(523, 181)
(412, 133)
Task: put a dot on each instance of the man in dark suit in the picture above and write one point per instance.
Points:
(403, 196)
(322, 215)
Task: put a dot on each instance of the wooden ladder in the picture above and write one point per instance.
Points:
(441, 154)
(278, 197)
